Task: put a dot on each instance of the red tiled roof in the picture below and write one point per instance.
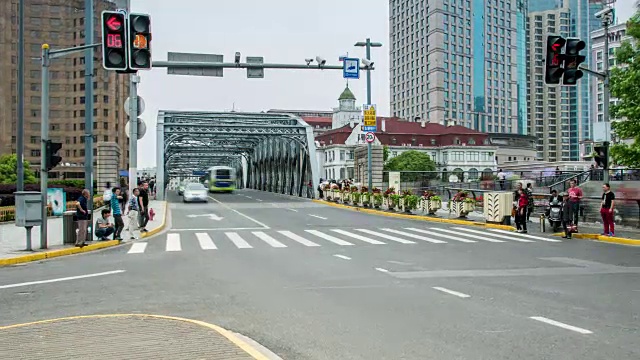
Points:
(314, 120)
(396, 126)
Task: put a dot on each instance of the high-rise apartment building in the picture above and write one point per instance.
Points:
(617, 36)
(59, 23)
(460, 61)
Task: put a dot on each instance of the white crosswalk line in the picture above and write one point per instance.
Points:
(333, 239)
(358, 237)
(137, 248)
(238, 241)
(298, 238)
(173, 242)
(525, 235)
(495, 235)
(385, 236)
(473, 236)
(268, 239)
(206, 243)
(414, 236)
(448, 237)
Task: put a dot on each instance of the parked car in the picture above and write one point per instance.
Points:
(195, 192)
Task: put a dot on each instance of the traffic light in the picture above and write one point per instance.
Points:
(139, 41)
(553, 63)
(52, 160)
(114, 53)
(601, 156)
(572, 61)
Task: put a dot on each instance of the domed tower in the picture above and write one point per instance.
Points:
(346, 112)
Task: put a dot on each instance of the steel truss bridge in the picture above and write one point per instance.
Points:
(270, 152)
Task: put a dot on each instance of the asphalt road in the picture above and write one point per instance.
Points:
(310, 281)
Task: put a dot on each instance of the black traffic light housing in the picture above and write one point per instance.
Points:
(572, 61)
(114, 39)
(601, 156)
(52, 160)
(554, 60)
(139, 41)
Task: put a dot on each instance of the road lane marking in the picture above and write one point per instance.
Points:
(137, 248)
(221, 229)
(358, 237)
(248, 197)
(173, 242)
(206, 243)
(451, 292)
(561, 325)
(525, 235)
(512, 237)
(60, 279)
(448, 237)
(333, 239)
(239, 213)
(238, 241)
(342, 257)
(473, 236)
(258, 200)
(385, 236)
(382, 270)
(319, 217)
(413, 236)
(268, 239)
(298, 238)
(294, 210)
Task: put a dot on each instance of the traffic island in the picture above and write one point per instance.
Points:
(130, 336)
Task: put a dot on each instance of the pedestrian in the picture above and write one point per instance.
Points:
(575, 196)
(606, 210)
(132, 214)
(117, 213)
(104, 227)
(502, 177)
(521, 212)
(82, 213)
(531, 206)
(143, 206)
(567, 216)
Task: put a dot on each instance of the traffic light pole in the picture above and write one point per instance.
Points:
(605, 23)
(133, 133)
(47, 55)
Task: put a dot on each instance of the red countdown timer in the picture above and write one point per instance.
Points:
(114, 41)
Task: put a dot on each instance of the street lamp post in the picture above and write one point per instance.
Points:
(607, 20)
(368, 45)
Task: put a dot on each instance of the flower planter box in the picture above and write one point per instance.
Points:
(462, 208)
(433, 206)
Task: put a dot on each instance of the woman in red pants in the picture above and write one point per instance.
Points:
(606, 210)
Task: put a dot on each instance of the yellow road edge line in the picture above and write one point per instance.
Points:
(222, 331)
(608, 239)
(416, 217)
(57, 253)
(159, 228)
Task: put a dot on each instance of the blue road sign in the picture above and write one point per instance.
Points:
(369, 128)
(199, 173)
(351, 68)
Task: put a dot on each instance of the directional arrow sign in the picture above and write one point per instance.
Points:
(114, 23)
(210, 216)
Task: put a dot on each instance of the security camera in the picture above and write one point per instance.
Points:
(604, 12)
(367, 63)
(321, 61)
(308, 61)
(237, 57)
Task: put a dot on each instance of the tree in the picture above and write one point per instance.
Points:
(412, 160)
(625, 86)
(385, 153)
(9, 170)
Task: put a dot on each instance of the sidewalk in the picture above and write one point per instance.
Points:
(13, 239)
(131, 336)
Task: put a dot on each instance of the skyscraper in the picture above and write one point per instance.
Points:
(460, 61)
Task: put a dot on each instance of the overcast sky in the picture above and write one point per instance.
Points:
(282, 31)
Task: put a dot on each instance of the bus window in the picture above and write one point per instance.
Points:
(223, 174)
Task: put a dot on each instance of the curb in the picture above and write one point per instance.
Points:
(416, 217)
(57, 253)
(246, 347)
(608, 239)
(159, 228)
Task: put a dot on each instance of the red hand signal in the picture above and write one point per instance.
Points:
(114, 23)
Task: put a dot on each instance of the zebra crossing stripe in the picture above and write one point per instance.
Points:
(137, 248)
(173, 242)
(525, 235)
(512, 237)
(238, 241)
(358, 237)
(385, 236)
(268, 239)
(475, 237)
(333, 239)
(297, 238)
(449, 237)
(414, 236)
(206, 243)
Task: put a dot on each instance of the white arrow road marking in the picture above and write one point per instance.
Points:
(61, 279)
(210, 216)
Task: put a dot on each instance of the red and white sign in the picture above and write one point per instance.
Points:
(369, 137)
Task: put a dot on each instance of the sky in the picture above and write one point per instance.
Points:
(282, 31)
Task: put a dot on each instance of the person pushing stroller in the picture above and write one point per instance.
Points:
(567, 216)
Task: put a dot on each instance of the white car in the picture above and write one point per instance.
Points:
(195, 192)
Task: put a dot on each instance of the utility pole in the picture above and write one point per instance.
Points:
(133, 132)
(20, 127)
(368, 45)
(88, 104)
(606, 22)
(44, 136)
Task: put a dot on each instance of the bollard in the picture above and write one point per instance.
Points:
(68, 228)
(542, 223)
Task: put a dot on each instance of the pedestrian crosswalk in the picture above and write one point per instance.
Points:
(280, 239)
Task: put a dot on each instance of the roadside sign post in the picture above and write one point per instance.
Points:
(371, 126)
(370, 137)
